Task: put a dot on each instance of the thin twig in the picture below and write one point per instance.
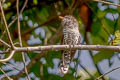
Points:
(86, 71)
(8, 58)
(10, 24)
(26, 1)
(3, 52)
(6, 44)
(8, 33)
(20, 40)
(96, 65)
(107, 73)
(20, 13)
(106, 2)
(31, 64)
(77, 63)
(5, 74)
(89, 41)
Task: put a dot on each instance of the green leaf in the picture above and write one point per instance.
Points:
(32, 54)
(118, 21)
(100, 33)
(45, 71)
(44, 14)
(101, 14)
(102, 55)
(36, 69)
(96, 27)
(17, 56)
(110, 10)
(100, 38)
(108, 25)
(50, 56)
(35, 1)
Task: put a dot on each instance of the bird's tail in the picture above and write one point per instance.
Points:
(65, 62)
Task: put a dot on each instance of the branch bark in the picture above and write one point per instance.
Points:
(67, 47)
(107, 2)
(64, 47)
(20, 39)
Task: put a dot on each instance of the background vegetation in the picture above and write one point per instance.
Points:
(40, 25)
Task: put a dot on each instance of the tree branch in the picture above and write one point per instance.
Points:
(66, 47)
(60, 47)
(30, 65)
(106, 2)
(4, 43)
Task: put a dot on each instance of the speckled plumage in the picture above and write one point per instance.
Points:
(71, 36)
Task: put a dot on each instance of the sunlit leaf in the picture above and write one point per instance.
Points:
(35, 1)
(116, 41)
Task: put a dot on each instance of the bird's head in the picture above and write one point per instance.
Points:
(69, 21)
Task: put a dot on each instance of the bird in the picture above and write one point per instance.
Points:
(70, 36)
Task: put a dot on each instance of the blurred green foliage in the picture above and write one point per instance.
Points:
(43, 13)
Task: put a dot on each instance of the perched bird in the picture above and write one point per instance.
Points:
(71, 36)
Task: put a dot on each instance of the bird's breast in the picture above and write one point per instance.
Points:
(71, 36)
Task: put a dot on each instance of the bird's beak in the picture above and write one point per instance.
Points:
(61, 17)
